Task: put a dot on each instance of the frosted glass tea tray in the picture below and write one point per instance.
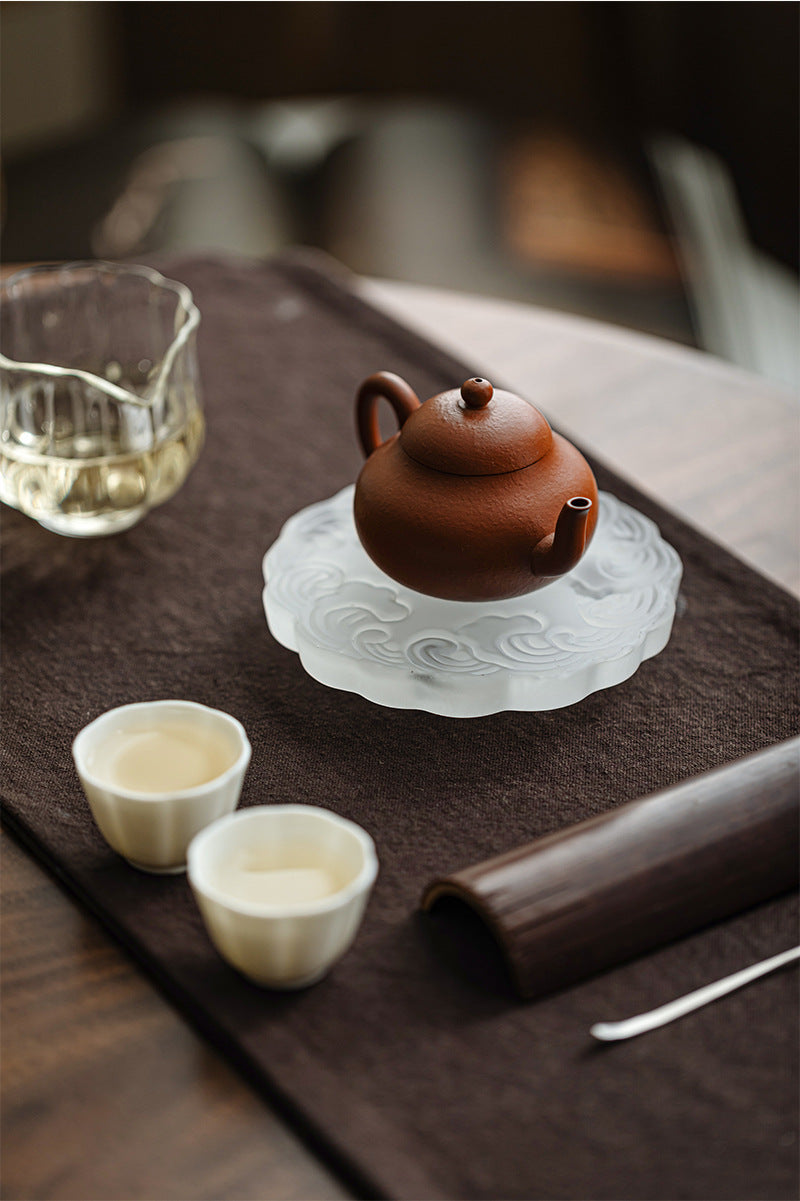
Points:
(355, 629)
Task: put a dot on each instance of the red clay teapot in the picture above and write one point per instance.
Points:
(475, 498)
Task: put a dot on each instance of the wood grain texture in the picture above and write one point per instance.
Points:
(617, 886)
(106, 1092)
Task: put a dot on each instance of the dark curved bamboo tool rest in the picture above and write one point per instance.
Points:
(586, 898)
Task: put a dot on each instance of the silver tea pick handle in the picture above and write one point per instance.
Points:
(613, 1031)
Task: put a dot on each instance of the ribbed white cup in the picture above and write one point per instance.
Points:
(282, 945)
(152, 830)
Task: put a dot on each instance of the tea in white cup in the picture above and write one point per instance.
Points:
(282, 890)
(157, 773)
(163, 758)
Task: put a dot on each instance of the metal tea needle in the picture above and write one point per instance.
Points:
(613, 1031)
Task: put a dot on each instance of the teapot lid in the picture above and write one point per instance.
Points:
(476, 431)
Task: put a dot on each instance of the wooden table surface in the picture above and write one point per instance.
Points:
(106, 1092)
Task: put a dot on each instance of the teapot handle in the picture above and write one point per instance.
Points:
(383, 385)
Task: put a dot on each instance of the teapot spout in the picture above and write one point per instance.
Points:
(560, 551)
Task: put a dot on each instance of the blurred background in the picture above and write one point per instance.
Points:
(633, 162)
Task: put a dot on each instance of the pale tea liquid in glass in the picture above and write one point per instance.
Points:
(102, 416)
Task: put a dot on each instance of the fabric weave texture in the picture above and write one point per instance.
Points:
(412, 1080)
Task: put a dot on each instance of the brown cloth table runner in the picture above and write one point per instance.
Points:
(411, 1080)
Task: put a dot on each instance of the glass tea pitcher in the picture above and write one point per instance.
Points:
(101, 407)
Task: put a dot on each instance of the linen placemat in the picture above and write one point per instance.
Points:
(414, 1082)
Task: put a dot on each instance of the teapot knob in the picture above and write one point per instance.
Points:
(476, 393)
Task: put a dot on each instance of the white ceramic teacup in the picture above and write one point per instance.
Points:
(156, 773)
(282, 890)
